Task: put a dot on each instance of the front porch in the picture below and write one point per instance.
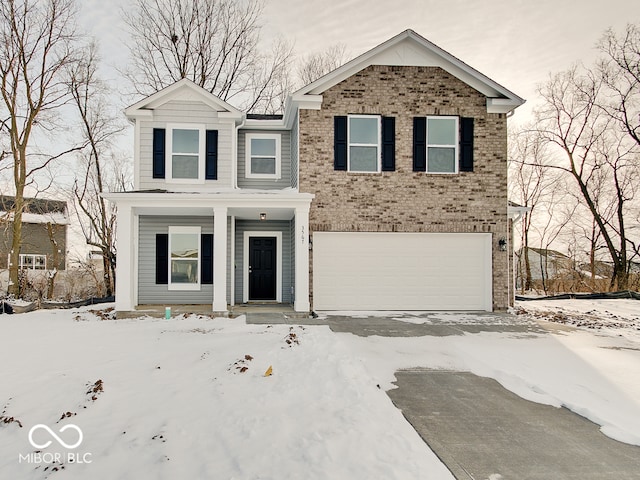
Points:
(210, 252)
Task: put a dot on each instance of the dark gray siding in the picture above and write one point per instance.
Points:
(285, 158)
(287, 254)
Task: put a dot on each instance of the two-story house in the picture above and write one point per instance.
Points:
(382, 186)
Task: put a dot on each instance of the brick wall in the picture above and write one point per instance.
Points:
(403, 200)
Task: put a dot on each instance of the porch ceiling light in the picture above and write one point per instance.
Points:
(263, 216)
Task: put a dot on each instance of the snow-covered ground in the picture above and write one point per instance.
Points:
(188, 397)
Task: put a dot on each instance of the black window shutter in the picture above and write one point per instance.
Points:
(388, 144)
(419, 144)
(158, 152)
(466, 144)
(211, 161)
(162, 258)
(206, 267)
(340, 143)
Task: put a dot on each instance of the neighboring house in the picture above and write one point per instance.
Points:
(544, 264)
(44, 233)
(383, 186)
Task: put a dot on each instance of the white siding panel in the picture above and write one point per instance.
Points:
(401, 271)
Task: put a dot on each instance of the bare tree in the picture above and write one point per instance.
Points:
(37, 42)
(572, 119)
(315, 65)
(620, 70)
(99, 170)
(214, 43)
(529, 182)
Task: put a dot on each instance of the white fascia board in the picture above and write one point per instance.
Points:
(264, 125)
(163, 200)
(307, 101)
(143, 113)
(503, 105)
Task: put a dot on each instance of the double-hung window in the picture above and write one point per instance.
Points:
(363, 137)
(442, 144)
(185, 151)
(262, 159)
(184, 258)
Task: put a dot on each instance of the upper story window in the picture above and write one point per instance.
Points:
(363, 136)
(184, 259)
(442, 144)
(262, 155)
(185, 153)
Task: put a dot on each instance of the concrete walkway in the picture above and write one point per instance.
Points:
(480, 430)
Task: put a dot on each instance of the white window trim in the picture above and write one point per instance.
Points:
(247, 147)
(245, 270)
(349, 144)
(202, 144)
(185, 230)
(22, 264)
(456, 146)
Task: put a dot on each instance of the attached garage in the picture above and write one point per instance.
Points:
(402, 271)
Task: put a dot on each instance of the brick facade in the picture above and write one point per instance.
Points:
(403, 200)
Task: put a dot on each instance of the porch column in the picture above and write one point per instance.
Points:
(220, 259)
(301, 302)
(125, 266)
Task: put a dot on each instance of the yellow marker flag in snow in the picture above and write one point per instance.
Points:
(268, 372)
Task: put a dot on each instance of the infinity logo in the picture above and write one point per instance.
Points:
(53, 434)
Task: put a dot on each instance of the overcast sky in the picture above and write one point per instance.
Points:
(517, 43)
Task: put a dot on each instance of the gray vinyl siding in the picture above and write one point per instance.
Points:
(287, 254)
(292, 275)
(294, 153)
(285, 166)
(148, 291)
(186, 113)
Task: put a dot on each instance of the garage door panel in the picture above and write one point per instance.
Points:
(401, 271)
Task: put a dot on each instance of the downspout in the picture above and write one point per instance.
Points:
(232, 230)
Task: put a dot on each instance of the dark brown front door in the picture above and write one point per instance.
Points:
(262, 268)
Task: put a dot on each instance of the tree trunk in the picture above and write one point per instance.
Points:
(16, 241)
(52, 273)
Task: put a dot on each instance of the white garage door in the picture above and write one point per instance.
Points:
(402, 271)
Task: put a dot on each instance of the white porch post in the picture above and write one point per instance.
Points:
(124, 267)
(301, 302)
(220, 259)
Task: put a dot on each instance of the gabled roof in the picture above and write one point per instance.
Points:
(183, 89)
(410, 49)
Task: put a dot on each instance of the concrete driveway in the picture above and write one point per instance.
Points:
(480, 430)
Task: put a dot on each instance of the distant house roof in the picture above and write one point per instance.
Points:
(39, 206)
(548, 253)
(37, 210)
